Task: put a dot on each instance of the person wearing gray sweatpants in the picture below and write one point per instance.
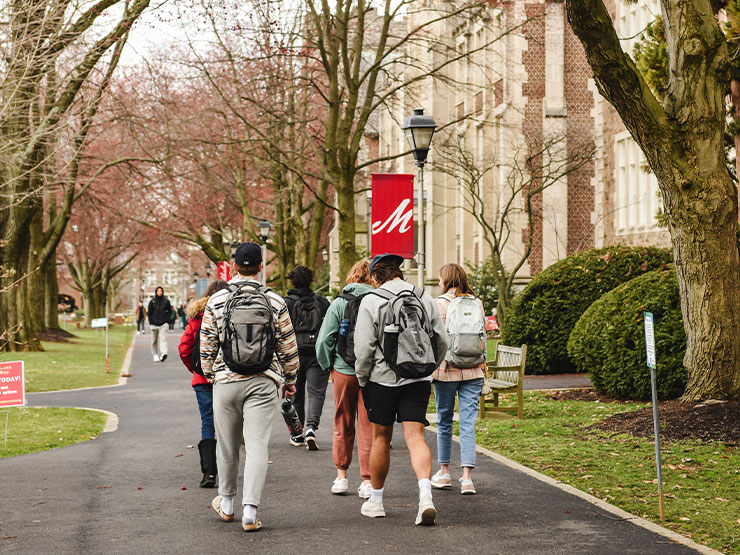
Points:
(244, 406)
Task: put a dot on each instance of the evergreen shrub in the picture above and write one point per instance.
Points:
(544, 313)
(609, 339)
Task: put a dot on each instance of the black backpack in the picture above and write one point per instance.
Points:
(307, 319)
(195, 355)
(248, 337)
(346, 336)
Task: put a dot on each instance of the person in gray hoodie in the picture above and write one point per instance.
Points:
(387, 397)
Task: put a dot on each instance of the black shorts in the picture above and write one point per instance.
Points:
(407, 403)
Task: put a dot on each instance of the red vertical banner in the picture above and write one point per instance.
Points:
(392, 217)
(224, 271)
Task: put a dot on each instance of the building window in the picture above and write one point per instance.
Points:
(637, 189)
(632, 20)
(150, 278)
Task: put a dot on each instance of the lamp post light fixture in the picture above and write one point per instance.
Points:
(195, 277)
(419, 130)
(324, 255)
(264, 231)
(208, 270)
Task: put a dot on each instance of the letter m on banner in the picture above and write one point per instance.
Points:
(392, 216)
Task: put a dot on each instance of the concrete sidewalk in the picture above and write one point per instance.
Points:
(135, 491)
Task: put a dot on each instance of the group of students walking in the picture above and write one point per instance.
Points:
(383, 341)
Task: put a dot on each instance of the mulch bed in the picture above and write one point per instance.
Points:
(707, 421)
(56, 336)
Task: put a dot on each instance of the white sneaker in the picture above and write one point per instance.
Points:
(340, 486)
(427, 513)
(155, 358)
(364, 491)
(373, 510)
(441, 481)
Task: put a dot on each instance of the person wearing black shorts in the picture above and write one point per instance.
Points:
(390, 399)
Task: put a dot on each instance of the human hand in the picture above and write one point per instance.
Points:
(288, 390)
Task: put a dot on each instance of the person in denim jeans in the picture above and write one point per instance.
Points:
(203, 390)
(463, 383)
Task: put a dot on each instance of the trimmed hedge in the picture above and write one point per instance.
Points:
(544, 313)
(609, 339)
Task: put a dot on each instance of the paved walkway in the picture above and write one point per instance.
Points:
(126, 493)
(557, 381)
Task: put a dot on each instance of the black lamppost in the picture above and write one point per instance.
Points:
(232, 249)
(264, 231)
(208, 270)
(195, 277)
(419, 130)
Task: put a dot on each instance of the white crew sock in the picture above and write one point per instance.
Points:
(249, 515)
(227, 505)
(425, 488)
(376, 495)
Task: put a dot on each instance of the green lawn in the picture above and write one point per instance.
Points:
(79, 363)
(701, 481)
(38, 429)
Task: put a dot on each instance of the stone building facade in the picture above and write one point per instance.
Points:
(514, 101)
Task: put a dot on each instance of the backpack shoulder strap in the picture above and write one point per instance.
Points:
(383, 293)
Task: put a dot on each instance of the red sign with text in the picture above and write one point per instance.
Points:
(12, 384)
(392, 215)
(224, 271)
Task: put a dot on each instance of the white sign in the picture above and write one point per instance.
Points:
(99, 323)
(650, 340)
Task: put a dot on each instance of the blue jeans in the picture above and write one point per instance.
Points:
(467, 393)
(204, 395)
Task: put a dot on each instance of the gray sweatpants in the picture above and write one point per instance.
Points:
(244, 408)
(159, 340)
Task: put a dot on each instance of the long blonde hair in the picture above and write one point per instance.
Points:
(453, 275)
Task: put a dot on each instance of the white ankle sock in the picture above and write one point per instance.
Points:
(376, 495)
(249, 515)
(425, 488)
(227, 505)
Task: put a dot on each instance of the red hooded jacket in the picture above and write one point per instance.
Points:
(187, 341)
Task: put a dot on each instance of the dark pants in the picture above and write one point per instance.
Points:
(204, 395)
(140, 324)
(311, 380)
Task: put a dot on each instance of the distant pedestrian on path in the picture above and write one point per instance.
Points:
(182, 314)
(140, 318)
(335, 352)
(460, 374)
(173, 317)
(248, 349)
(399, 342)
(190, 355)
(159, 312)
(307, 311)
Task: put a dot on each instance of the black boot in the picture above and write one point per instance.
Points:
(207, 448)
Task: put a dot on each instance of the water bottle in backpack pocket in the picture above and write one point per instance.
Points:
(248, 336)
(466, 330)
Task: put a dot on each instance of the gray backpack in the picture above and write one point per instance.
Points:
(408, 340)
(467, 333)
(247, 336)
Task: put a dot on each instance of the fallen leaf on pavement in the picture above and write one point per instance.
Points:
(180, 455)
(183, 487)
(139, 487)
(189, 446)
(103, 487)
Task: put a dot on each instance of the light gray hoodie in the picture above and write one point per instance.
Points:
(371, 318)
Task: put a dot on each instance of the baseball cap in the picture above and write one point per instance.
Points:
(385, 257)
(248, 254)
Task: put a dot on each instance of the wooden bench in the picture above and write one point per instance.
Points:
(504, 374)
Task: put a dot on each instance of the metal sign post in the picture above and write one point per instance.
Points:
(651, 362)
(107, 327)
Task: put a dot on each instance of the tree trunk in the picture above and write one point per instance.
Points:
(684, 143)
(36, 280)
(346, 229)
(52, 294)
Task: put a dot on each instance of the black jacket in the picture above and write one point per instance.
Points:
(159, 311)
(293, 295)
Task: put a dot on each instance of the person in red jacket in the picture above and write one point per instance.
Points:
(203, 389)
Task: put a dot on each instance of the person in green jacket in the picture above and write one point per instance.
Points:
(347, 398)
